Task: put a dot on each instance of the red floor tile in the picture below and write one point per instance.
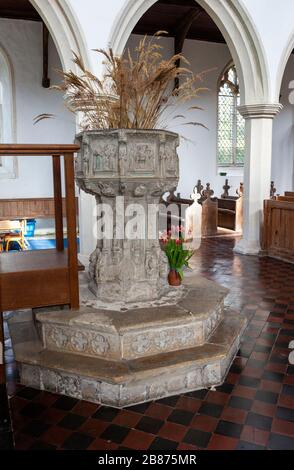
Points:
(204, 423)
(173, 431)
(218, 442)
(254, 435)
(234, 415)
(138, 440)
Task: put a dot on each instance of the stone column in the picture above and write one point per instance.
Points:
(257, 171)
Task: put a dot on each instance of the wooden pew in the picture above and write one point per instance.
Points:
(230, 209)
(278, 229)
(285, 198)
(209, 210)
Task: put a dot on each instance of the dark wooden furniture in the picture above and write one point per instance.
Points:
(209, 217)
(42, 278)
(209, 210)
(278, 229)
(230, 209)
(230, 213)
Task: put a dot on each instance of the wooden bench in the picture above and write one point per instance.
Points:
(230, 209)
(209, 210)
(278, 229)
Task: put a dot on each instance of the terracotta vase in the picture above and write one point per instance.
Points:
(174, 278)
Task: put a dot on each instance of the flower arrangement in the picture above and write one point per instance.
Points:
(173, 243)
(136, 90)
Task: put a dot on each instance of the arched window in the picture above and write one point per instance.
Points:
(231, 125)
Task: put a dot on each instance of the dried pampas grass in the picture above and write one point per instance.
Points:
(136, 91)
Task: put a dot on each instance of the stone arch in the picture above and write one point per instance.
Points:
(237, 28)
(8, 166)
(64, 28)
(282, 66)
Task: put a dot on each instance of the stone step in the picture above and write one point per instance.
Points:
(136, 333)
(127, 382)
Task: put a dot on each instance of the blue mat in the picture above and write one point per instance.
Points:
(40, 244)
(44, 243)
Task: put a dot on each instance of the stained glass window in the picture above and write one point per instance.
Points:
(231, 125)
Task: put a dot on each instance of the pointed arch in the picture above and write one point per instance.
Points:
(237, 28)
(64, 28)
(288, 50)
(8, 166)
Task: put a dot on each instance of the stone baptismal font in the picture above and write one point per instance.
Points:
(134, 338)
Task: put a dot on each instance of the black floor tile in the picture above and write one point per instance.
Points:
(273, 376)
(169, 401)
(106, 413)
(278, 359)
(35, 428)
(242, 445)
(288, 390)
(201, 394)
(259, 421)
(150, 425)
(65, 403)
(77, 441)
(235, 369)
(225, 388)
(279, 442)
(267, 397)
(249, 381)
(197, 438)
(115, 433)
(72, 421)
(163, 444)
(32, 410)
(240, 403)
(225, 428)
(139, 408)
(28, 393)
(287, 332)
(211, 409)
(285, 413)
(181, 417)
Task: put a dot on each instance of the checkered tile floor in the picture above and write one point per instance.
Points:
(253, 409)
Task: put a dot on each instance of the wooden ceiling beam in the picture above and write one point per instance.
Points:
(45, 79)
(181, 31)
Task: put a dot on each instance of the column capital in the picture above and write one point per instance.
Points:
(260, 111)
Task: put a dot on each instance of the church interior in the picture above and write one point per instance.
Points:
(99, 350)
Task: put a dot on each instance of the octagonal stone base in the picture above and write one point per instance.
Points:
(124, 358)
